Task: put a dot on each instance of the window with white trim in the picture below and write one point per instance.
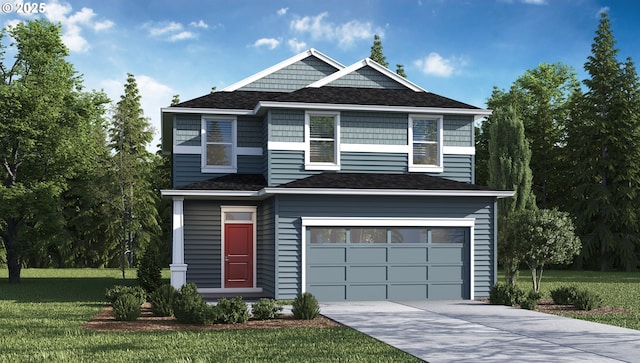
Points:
(219, 144)
(322, 140)
(425, 136)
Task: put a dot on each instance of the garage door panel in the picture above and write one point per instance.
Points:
(451, 254)
(445, 291)
(329, 292)
(408, 292)
(408, 273)
(327, 274)
(367, 292)
(327, 255)
(367, 273)
(408, 254)
(445, 273)
(368, 254)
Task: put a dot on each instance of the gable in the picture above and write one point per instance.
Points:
(366, 77)
(292, 77)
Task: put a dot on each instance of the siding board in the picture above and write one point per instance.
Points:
(292, 77)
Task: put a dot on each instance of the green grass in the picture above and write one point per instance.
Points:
(618, 289)
(41, 321)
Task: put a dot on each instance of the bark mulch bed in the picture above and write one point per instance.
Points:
(105, 322)
(547, 306)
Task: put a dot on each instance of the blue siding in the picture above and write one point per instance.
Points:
(292, 77)
(355, 162)
(457, 130)
(458, 168)
(286, 125)
(187, 130)
(373, 128)
(202, 246)
(289, 228)
(366, 77)
(265, 248)
(186, 168)
(250, 133)
(286, 166)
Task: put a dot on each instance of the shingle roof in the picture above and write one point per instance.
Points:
(247, 100)
(252, 182)
(255, 182)
(380, 181)
(240, 100)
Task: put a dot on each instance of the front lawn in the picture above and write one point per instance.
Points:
(618, 289)
(41, 319)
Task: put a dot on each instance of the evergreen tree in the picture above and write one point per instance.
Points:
(509, 157)
(604, 149)
(376, 52)
(130, 133)
(400, 70)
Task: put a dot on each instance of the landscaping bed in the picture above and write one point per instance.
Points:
(104, 321)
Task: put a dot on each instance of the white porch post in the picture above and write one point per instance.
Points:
(178, 268)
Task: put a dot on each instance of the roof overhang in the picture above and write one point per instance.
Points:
(380, 108)
(268, 191)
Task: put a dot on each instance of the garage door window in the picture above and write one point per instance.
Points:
(379, 235)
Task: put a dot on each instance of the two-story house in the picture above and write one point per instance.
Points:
(352, 183)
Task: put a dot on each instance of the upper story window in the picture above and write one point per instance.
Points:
(322, 139)
(219, 143)
(425, 137)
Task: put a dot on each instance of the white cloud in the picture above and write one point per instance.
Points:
(535, 2)
(165, 28)
(172, 31)
(102, 25)
(296, 46)
(345, 34)
(74, 23)
(199, 24)
(283, 11)
(603, 10)
(270, 43)
(181, 36)
(435, 65)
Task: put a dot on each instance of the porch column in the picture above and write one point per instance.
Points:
(178, 268)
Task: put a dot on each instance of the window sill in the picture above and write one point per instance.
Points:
(321, 167)
(219, 170)
(425, 169)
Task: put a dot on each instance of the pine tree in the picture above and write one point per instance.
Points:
(602, 142)
(376, 52)
(130, 133)
(400, 71)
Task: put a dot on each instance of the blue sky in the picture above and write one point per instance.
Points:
(459, 49)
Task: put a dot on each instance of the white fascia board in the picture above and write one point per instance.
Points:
(381, 108)
(391, 192)
(210, 193)
(207, 111)
(281, 65)
(363, 63)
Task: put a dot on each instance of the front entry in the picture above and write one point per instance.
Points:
(238, 255)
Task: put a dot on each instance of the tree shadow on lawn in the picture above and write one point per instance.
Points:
(38, 290)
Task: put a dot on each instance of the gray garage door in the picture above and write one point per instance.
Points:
(395, 263)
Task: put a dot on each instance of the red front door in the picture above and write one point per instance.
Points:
(238, 255)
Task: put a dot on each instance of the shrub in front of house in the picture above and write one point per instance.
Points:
(305, 307)
(231, 311)
(530, 301)
(265, 309)
(126, 307)
(505, 294)
(564, 295)
(149, 272)
(189, 307)
(587, 300)
(138, 292)
(162, 300)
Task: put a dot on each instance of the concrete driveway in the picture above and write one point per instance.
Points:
(470, 331)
